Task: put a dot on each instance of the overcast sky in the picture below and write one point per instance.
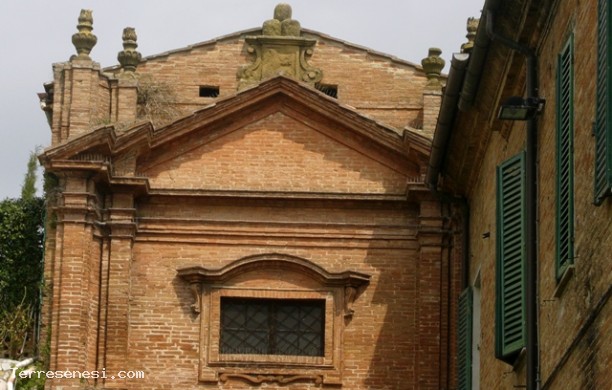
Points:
(35, 34)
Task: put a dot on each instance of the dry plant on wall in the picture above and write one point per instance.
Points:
(156, 101)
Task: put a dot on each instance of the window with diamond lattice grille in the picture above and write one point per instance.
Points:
(272, 326)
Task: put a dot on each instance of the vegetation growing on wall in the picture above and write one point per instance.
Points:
(156, 102)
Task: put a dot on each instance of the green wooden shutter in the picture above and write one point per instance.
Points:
(464, 340)
(565, 159)
(603, 123)
(510, 270)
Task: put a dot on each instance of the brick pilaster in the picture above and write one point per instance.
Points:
(429, 290)
(125, 99)
(73, 290)
(122, 230)
(81, 101)
(432, 99)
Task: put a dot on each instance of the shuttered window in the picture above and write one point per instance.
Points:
(603, 122)
(565, 159)
(510, 269)
(464, 340)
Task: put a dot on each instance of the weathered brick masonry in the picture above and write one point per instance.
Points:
(270, 190)
(573, 311)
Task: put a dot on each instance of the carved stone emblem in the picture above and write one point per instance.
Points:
(281, 50)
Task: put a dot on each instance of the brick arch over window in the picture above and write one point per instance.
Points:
(199, 274)
(279, 282)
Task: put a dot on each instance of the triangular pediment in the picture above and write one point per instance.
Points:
(280, 136)
(277, 153)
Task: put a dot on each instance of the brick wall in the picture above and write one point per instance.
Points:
(565, 315)
(573, 346)
(276, 178)
(312, 180)
(389, 90)
(395, 339)
(297, 158)
(378, 350)
(494, 373)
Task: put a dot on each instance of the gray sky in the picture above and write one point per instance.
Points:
(35, 34)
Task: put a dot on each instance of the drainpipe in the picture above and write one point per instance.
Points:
(533, 364)
(446, 117)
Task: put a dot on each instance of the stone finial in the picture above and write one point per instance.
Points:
(433, 65)
(472, 27)
(129, 58)
(282, 11)
(282, 24)
(84, 40)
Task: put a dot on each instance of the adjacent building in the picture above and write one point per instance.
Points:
(524, 145)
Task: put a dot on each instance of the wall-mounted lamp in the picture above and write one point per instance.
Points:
(516, 108)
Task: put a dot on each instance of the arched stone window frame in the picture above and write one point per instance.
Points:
(337, 289)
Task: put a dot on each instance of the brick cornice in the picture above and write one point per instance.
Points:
(199, 274)
(277, 94)
(100, 152)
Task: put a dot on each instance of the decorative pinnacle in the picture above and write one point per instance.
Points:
(472, 27)
(282, 11)
(129, 58)
(433, 65)
(84, 40)
(282, 24)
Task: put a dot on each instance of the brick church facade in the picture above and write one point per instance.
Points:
(247, 212)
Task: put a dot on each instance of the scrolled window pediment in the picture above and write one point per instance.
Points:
(199, 274)
(264, 279)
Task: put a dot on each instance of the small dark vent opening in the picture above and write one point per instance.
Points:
(329, 90)
(209, 91)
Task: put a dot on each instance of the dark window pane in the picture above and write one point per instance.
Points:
(288, 317)
(272, 326)
(287, 343)
(257, 316)
(311, 318)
